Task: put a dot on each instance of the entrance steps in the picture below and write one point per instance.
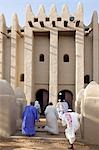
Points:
(42, 140)
(41, 134)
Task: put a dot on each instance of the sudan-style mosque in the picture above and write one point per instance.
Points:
(51, 56)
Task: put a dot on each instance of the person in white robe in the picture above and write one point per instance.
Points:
(59, 108)
(51, 119)
(72, 121)
(65, 105)
(37, 106)
(62, 107)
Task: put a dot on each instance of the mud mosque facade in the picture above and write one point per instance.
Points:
(51, 56)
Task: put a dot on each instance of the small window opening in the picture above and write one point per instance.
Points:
(22, 77)
(59, 19)
(35, 19)
(47, 19)
(87, 79)
(41, 58)
(72, 18)
(66, 58)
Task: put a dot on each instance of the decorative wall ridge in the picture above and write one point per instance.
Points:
(53, 20)
(53, 12)
(53, 16)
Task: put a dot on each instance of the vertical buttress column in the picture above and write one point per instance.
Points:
(79, 50)
(95, 48)
(28, 57)
(13, 71)
(28, 67)
(79, 47)
(2, 24)
(53, 72)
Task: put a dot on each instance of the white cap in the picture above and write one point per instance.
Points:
(59, 100)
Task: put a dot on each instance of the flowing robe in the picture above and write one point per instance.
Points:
(61, 107)
(51, 120)
(65, 106)
(37, 106)
(29, 116)
(72, 120)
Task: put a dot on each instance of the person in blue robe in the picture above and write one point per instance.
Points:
(29, 118)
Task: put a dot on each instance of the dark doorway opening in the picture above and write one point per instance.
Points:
(42, 96)
(67, 95)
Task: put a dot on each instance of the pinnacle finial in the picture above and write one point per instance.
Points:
(29, 13)
(15, 20)
(2, 20)
(41, 13)
(79, 12)
(53, 11)
(65, 12)
(95, 16)
(29, 9)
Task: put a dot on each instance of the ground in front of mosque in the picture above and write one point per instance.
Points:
(41, 141)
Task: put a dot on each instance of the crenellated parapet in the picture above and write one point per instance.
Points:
(43, 22)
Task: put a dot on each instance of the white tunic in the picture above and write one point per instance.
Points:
(71, 119)
(51, 119)
(61, 107)
(65, 106)
(37, 106)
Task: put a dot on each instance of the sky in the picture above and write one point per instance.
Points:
(8, 7)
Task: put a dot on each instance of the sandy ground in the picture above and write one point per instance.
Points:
(41, 141)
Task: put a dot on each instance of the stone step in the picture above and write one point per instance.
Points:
(42, 134)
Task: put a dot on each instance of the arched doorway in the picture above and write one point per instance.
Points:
(67, 95)
(43, 97)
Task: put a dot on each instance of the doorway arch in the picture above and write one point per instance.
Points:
(68, 96)
(42, 96)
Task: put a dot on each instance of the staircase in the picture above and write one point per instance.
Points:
(42, 140)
